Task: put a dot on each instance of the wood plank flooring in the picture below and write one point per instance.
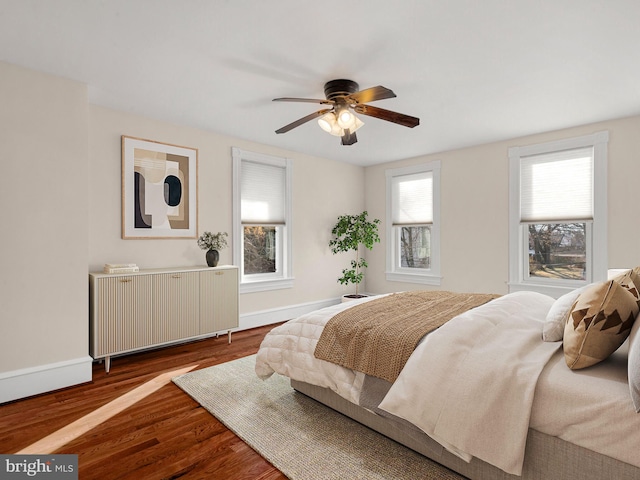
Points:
(163, 435)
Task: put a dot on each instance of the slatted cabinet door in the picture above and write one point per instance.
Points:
(175, 306)
(122, 314)
(218, 300)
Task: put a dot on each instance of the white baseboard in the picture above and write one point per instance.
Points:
(276, 315)
(44, 378)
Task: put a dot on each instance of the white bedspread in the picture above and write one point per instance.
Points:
(591, 408)
(288, 350)
(470, 385)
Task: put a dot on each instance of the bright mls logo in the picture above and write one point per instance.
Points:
(52, 467)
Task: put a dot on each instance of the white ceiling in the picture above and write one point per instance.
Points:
(473, 71)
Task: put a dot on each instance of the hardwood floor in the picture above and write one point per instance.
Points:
(163, 435)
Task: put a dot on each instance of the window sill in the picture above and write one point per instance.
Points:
(554, 291)
(265, 285)
(414, 278)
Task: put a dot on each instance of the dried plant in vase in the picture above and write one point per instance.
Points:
(212, 243)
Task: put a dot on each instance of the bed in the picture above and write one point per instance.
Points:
(484, 393)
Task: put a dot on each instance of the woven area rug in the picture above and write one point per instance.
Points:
(302, 438)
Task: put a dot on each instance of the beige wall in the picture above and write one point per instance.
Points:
(44, 254)
(474, 208)
(322, 190)
(61, 191)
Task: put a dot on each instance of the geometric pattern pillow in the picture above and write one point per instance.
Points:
(631, 281)
(599, 322)
(553, 327)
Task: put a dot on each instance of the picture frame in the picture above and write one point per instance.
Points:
(159, 190)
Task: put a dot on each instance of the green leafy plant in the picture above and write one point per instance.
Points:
(211, 241)
(349, 233)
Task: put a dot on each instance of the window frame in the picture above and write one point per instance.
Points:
(267, 281)
(596, 229)
(395, 272)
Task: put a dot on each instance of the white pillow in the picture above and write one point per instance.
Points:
(633, 368)
(553, 329)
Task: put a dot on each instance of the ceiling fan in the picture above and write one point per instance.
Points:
(343, 97)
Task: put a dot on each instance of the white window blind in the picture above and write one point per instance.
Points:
(557, 186)
(262, 190)
(412, 199)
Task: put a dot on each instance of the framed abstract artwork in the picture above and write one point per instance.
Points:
(159, 190)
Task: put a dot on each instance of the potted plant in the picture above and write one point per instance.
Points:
(349, 234)
(212, 243)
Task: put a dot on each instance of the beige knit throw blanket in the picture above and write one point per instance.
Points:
(377, 337)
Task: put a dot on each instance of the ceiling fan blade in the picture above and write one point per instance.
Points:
(302, 120)
(372, 94)
(305, 100)
(388, 115)
(349, 138)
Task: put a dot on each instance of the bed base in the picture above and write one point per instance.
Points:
(546, 457)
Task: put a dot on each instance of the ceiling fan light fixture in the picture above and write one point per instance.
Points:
(329, 124)
(346, 119)
(326, 122)
(356, 124)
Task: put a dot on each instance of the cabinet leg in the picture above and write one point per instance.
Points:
(229, 333)
(107, 364)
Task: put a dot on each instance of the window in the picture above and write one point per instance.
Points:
(262, 220)
(557, 219)
(413, 224)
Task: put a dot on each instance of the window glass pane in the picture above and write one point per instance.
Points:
(259, 249)
(415, 247)
(557, 250)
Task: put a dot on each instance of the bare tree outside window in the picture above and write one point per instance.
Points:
(259, 250)
(558, 250)
(415, 247)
